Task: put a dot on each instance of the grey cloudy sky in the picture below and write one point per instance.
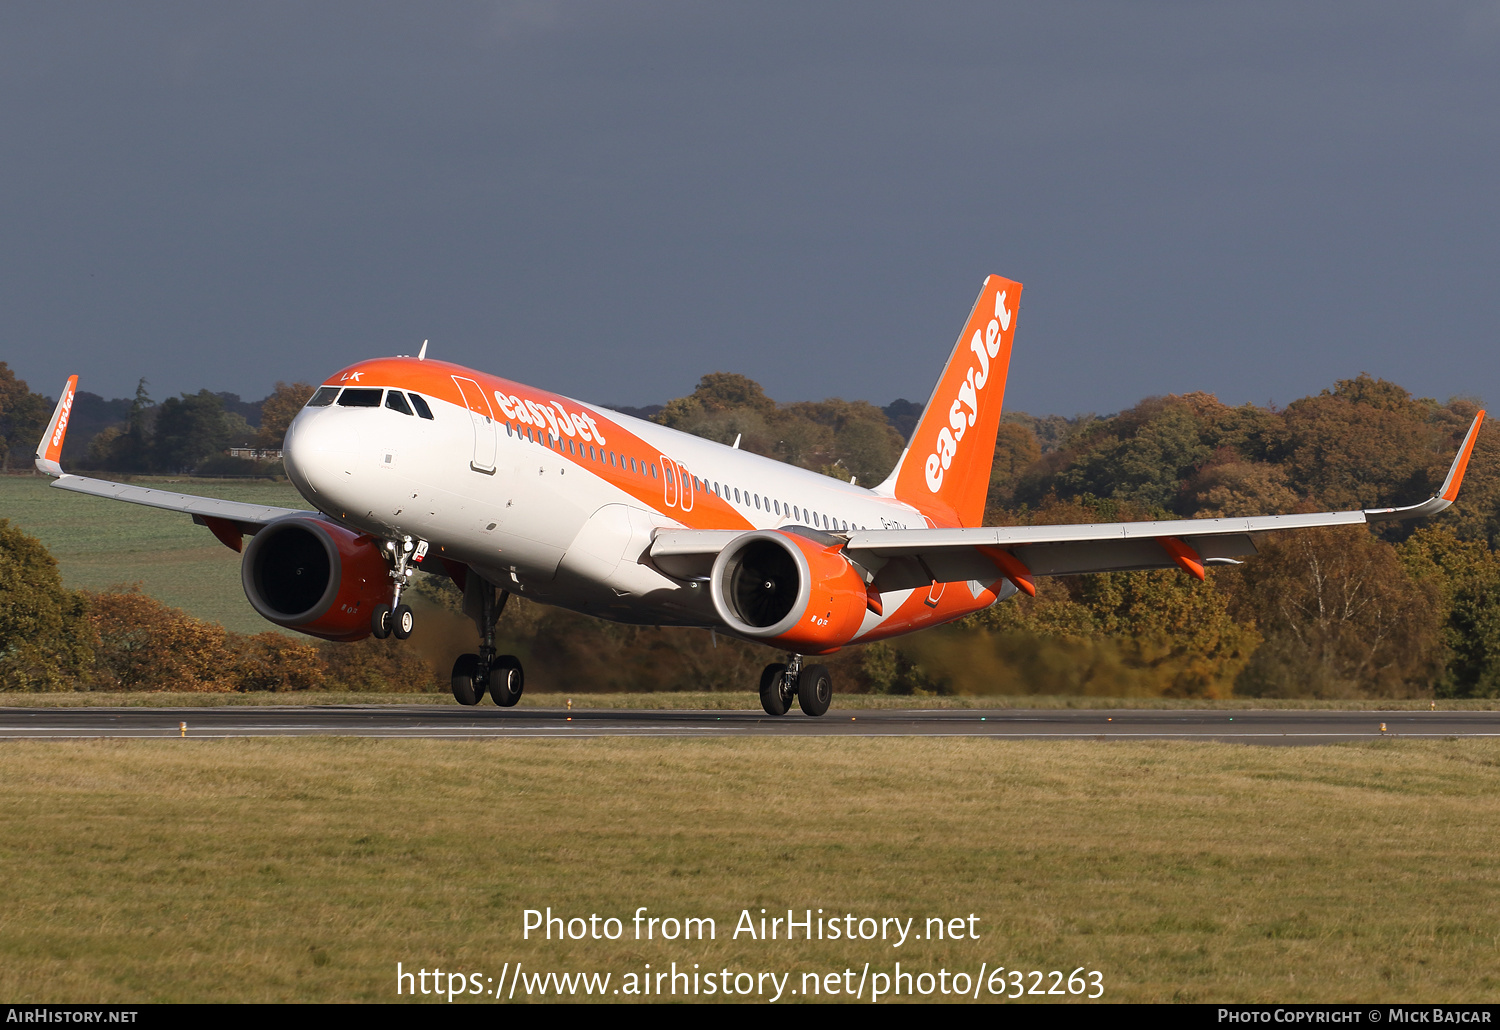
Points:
(612, 199)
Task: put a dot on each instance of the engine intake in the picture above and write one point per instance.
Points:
(785, 588)
(315, 576)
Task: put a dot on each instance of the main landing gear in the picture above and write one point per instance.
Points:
(811, 685)
(473, 674)
(396, 619)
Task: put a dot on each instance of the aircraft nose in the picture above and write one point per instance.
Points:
(319, 451)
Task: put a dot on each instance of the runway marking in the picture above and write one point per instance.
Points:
(440, 722)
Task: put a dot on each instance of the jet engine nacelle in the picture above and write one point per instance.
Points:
(788, 590)
(316, 577)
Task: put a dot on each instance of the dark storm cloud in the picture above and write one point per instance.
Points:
(611, 200)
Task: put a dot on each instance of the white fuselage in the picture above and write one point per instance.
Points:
(558, 523)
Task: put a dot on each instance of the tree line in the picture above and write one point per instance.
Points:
(188, 433)
(1409, 609)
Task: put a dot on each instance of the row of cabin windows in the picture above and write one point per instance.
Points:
(622, 462)
(365, 397)
(568, 446)
(771, 504)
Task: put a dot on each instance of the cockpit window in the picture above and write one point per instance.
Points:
(396, 401)
(360, 399)
(323, 397)
(418, 402)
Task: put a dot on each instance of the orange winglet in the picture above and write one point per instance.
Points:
(1186, 558)
(1015, 570)
(49, 450)
(228, 533)
(1461, 465)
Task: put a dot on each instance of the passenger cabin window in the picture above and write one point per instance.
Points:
(323, 397)
(418, 402)
(360, 399)
(396, 401)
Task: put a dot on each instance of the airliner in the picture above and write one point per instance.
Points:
(413, 464)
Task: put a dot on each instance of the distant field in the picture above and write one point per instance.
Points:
(100, 543)
(304, 870)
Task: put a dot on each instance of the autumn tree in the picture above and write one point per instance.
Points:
(1340, 614)
(278, 410)
(45, 639)
(851, 435)
(147, 645)
(1465, 574)
(1144, 454)
(275, 662)
(23, 417)
(1367, 443)
(837, 437)
(1016, 450)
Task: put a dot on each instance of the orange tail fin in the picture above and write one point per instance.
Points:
(945, 470)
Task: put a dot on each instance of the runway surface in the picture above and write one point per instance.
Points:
(447, 721)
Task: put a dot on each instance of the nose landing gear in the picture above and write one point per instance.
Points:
(473, 674)
(811, 686)
(397, 619)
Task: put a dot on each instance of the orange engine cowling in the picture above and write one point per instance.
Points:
(314, 576)
(789, 590)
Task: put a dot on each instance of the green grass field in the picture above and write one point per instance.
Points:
(304, 870)
(100, 543)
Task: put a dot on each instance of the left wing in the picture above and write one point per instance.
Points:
(230, 521)
(905, 559)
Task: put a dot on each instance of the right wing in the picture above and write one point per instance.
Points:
(906, 559)
(230, 521)
(910, 558)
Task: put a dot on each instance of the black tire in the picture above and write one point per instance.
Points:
(507, 680)
(772, 689)
(466, 689)
(402, 622)
(815, 689)
(380, 621)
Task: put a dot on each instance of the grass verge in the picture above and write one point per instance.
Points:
(304, 870)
